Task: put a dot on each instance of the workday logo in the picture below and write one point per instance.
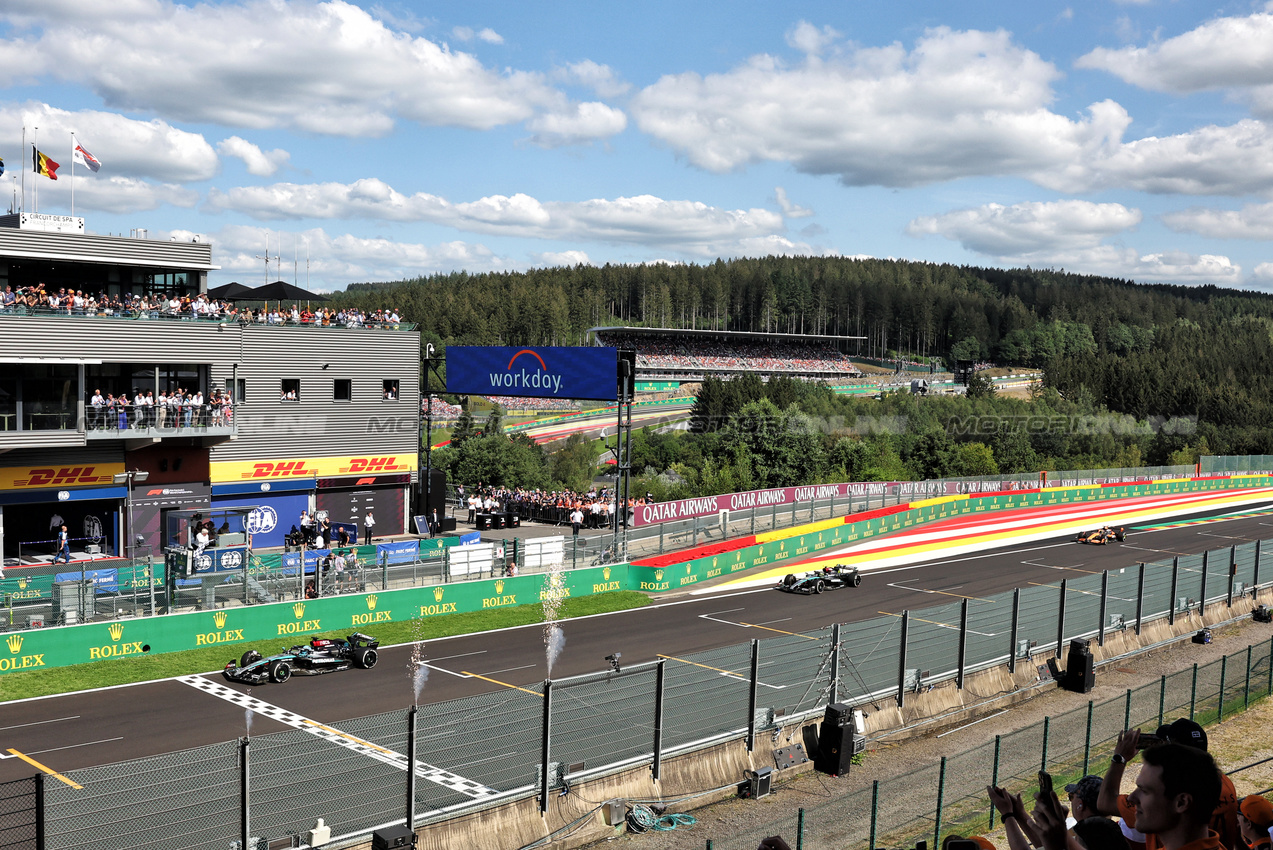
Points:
(530, 374)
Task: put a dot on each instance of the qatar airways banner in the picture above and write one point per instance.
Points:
(911, 490)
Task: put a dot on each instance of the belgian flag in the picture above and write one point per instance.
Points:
(43, 165)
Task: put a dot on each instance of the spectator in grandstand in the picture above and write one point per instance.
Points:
(1255, 820)
(1185, 732)
(1083, 797)
(1017, 825)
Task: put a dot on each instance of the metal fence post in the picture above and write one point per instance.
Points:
(1060, 621)
(1100, 635)
(1127, 710)
(545, 739)
(751, 695)
(1224, 669)
(941, 793)
(1012, 638)
(245, 826)
(994, 779)
(1162, 699)
(659, 673)
(1087, 738)
(1246, 686)
(1140, 597)
(963, 644)
(1202, 593)
(1233, 571)
(1269, 687)
(1175, 580)
(411, 778)
(753, 521)
(835, 663)
(1259, 548)
(800, 828)
(1047, 728)
(661, 538)
(901, 661)
(1193, 692)
(875, 811)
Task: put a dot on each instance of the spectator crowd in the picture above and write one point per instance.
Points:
(176, 409)
(685, 354)
(596, 507)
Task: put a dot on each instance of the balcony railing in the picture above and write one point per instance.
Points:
(228, 319)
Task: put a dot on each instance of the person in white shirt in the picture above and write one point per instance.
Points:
(576, 520)
(368, 523)
(196, 406)
(98, 403)
(201, 540)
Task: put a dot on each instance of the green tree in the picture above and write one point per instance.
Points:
(464, 429)
(494, 422)
(979, 386)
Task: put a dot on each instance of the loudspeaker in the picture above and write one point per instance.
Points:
(448, 523)
(1080, 675)
(390, 837)
(835, 747)
(838, 714)
(437, 493)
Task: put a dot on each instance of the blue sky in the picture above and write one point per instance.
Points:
(394, 139)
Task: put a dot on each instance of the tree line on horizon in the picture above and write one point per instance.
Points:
(1152, 374)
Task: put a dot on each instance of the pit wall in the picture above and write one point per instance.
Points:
(678, 570)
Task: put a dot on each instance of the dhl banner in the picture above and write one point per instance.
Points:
(237, 471)
(58, 476)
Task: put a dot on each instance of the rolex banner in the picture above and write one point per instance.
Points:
(291, 622)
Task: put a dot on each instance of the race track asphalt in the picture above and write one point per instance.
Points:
(80, 730)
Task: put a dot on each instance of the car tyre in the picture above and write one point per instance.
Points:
(856, 580)
(1121, 534)
(249, 657)
(280, 672)
(366, 658)
(819, 586)
(788, 580)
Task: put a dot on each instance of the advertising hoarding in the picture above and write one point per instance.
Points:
(540, 372)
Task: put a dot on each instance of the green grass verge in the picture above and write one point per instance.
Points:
(80, 677)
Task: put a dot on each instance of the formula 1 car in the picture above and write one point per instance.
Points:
(320, 655)
(1102, 535)
(827, 578)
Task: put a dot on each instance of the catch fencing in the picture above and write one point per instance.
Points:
(524, 742)
(948, 797)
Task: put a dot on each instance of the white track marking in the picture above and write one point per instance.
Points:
(436, 775)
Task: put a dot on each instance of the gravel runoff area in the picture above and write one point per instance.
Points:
(1240, 740)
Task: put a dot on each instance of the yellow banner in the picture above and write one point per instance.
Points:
(230, 471)
(58, 476)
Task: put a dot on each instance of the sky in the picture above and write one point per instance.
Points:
(355, 141)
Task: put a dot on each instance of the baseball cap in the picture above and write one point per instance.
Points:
(1257, 810)
(1184, 731)
(1086, 789)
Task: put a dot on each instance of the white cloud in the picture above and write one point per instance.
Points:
(689, 226)
(1211, 160)
(258, 162)
(486, 34)
(1263, 274)
(1253, 221)
(548, 259)
(1029, 228)
(341, 258)
(789, 209)
(1071, 235)
(114, 194)
(958, 104)
(583, 122)
(810, 39)
(126, 147)
(600, 78)
(1233, 53)
(249, 64)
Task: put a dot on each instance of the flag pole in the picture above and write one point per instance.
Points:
(24, 170)
(72, 174)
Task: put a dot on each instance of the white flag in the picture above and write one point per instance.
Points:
(85, 158)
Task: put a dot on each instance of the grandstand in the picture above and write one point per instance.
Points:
(673, 354)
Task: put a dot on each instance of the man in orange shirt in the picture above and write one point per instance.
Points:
(1176, 791)
(1255, 818)
(1184, 732)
